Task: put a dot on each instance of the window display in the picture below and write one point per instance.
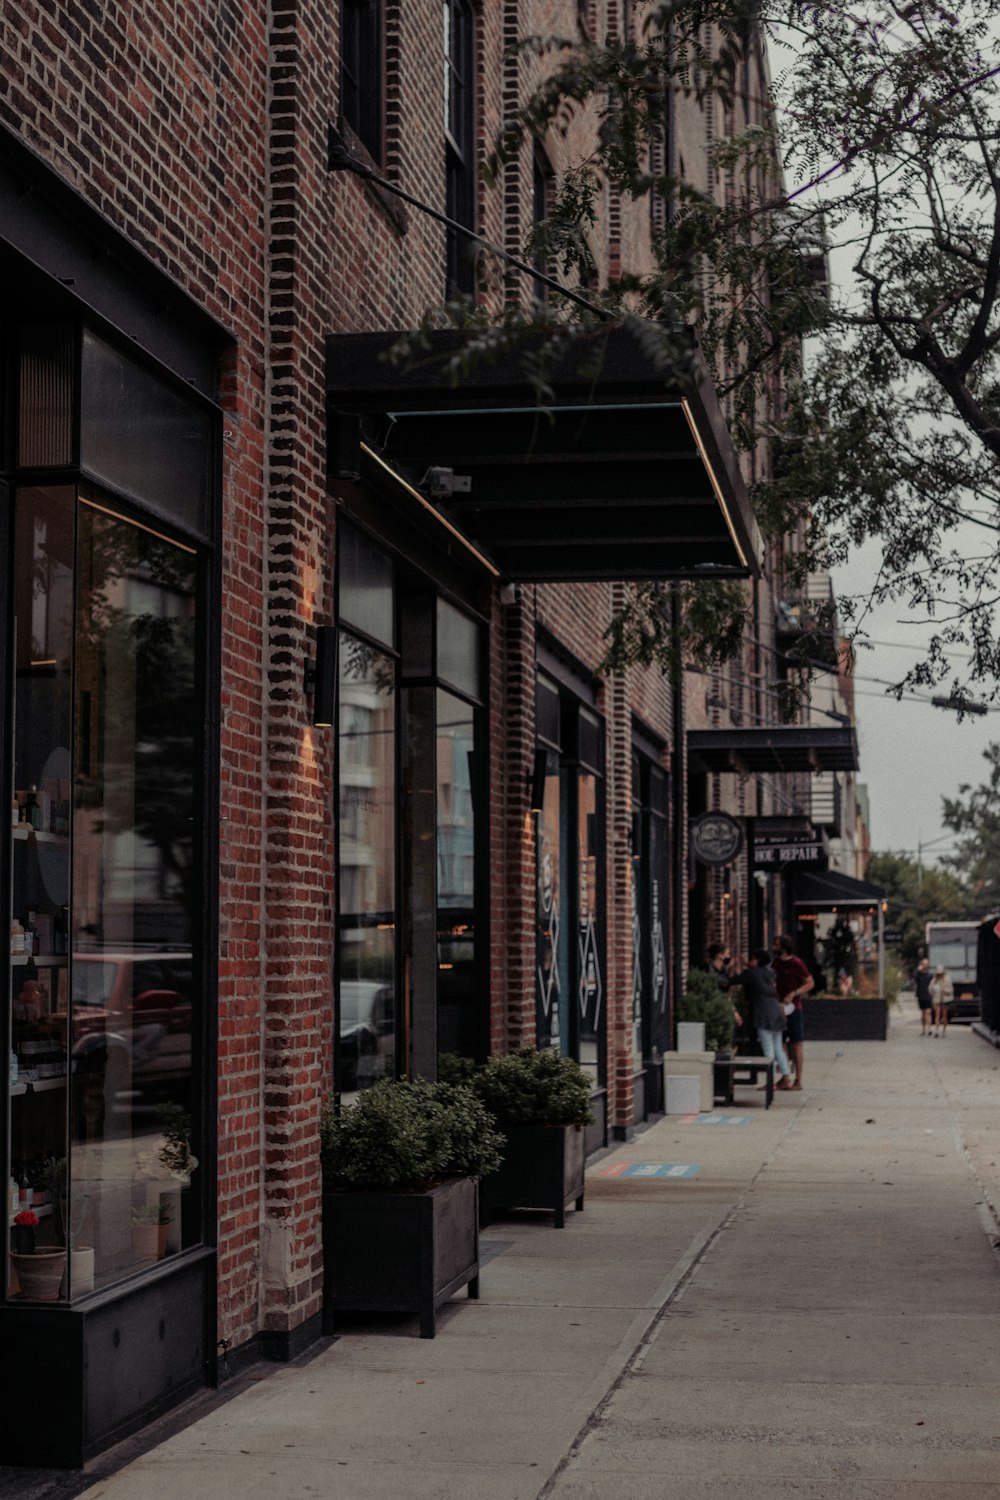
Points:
(103, 1003)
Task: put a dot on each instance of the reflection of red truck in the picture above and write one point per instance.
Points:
(132, 1016)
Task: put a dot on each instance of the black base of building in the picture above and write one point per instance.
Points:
(74, 1380)
(281, 1347)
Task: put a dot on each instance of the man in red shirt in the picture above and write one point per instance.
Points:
(793, 980)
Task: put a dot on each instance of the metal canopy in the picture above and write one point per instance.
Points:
(781, 747)
(833, 890)
(622, 473)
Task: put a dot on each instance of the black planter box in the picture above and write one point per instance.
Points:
(400, 1252)
(543, 1167)
(845, 1018)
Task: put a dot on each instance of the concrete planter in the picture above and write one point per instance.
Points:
(690, 1036)
(400, 1252)
(845, 1018)
(543, 1167)
(692, 1065)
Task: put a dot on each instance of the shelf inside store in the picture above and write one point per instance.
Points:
(24, 831)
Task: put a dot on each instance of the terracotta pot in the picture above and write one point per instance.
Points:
(149, 1241)
(40, 1275)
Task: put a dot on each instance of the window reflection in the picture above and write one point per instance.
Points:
(102, 934)
(458, 1017)
(590, 981)
(132, 987)
(367, 865)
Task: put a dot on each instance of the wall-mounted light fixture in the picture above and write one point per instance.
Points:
(321, 677)
(536, 781)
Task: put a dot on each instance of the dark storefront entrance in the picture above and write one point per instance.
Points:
(108, 483)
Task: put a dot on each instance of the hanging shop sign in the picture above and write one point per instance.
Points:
(716, 838)
(789, 851)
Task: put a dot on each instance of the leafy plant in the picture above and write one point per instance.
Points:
(151, 1213)
(69, 1215)
(703, 1000)
(400, 1135)
(535, 1086)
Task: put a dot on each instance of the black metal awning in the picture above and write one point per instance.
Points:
(621, 473)
(780, 747)
(832, 890)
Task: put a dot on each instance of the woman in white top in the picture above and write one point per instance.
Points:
(942, 994)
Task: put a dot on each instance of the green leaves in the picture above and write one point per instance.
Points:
(535, 1086)
(407, 1136)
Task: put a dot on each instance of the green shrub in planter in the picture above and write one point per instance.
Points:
(535, 1086)
(408, 1136)
(703, 1000)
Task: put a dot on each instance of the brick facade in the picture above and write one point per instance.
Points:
(202, 137)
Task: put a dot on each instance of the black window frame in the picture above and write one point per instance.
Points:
(362, 73)
(459, 101)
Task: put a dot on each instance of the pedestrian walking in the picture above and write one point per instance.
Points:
(766, 1014)
(922, 977)
(942, 994)
(793, 980)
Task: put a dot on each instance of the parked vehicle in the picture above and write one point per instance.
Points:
(953, 946)
(132, 1017)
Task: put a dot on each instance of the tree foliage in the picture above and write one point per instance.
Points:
(917, 896)
(975, 816)
(880, 143)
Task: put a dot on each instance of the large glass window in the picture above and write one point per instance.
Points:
(367, 871)
(650, 899)
(105, 1005)
(459, 1014)
(570, 882)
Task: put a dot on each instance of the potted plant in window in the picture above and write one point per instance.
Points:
(541, 1101)
(39, 1269)
(70, 1217)
(149, 1230)
(400, 1198)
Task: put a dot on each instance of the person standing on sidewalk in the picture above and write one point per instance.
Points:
(922, 986)
(942, 993)
(793, 980)
(766, 1014)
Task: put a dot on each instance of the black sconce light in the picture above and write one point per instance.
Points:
(321, 676)
(536, 781)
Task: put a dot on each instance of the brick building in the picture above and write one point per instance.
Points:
(314, 776)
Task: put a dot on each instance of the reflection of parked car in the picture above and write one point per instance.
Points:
(367, 1034)
(132, 1017)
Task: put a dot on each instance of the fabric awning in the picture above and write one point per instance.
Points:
(831, 889)
(774, 748)
(623, 472)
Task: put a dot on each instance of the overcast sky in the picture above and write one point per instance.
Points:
(912, 754)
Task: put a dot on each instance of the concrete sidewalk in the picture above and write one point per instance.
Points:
(815, 1313)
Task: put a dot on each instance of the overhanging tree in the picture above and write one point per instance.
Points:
(886, 118)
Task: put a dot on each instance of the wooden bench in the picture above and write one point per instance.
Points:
(729, 1071)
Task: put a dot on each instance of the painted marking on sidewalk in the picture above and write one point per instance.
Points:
(650, 1169)
(715, 1120)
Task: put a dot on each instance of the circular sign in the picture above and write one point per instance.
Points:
(716, 838)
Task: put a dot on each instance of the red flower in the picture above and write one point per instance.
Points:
(26, 1219)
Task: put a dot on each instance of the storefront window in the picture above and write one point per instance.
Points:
(367, 865)
(569, 899)
(459, 1021)
(650, 896)
(105, 1005)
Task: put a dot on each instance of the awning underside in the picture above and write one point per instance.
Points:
(617, 476)
(774, 749)
(831, 888)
